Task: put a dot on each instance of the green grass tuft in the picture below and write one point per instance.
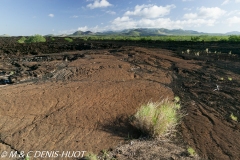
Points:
(191, 151)
(158, 119)
(233, 117)
(177, 99)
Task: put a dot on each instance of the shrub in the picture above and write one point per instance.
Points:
(22, 40)
(35, 39)
(191, 151)
(69, 39)
(233, 117)
(234, 38)
(32, 39)
(158, 119)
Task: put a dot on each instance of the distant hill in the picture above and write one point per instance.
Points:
(233, 33)
(63, 35)
(141, 32)
(81, 33)
(49, 35)
(148, 32)
(5, 35)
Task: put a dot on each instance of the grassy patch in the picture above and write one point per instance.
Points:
(191, 151)
(158, 119)
(69, 39)
(233, 117)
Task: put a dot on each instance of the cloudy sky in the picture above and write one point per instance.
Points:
(28, 17)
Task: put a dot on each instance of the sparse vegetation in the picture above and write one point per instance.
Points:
(35, 39)
(22, 40)
(157, 119)
(105, 154)
(168, 38)
(27, 158)
(233, 117)
(91, 156)
(191, 151)
(68, 39)
(229, 78)
(32, 39)
(177, 99)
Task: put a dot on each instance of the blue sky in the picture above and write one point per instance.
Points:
(28, 17)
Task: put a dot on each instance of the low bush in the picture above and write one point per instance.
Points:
(158, 119)
(32, 39)
(69, 39)
(22, 40)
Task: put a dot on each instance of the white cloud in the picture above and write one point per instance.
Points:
(206, 13)
(225, 2)
(84, 29)
(234, 12)
(150, 11)
(151, 18)
(74, 16)
(70, 31)
(213, 12)
(92, 29)
(111, 12)
(187, 9)
(233, 20)
(51, 15)
(99, 4)
(126, 22)
(190, 16)
(237, 1)
(203, 16)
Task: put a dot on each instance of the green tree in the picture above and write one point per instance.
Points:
(195, 39)
(234, 38)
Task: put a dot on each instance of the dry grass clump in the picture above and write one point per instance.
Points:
(158, 119)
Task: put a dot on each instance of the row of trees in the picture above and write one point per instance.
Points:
(233, 38)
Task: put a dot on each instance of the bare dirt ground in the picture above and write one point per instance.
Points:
(77, 96)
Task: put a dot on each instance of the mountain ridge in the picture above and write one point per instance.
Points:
(151, 32)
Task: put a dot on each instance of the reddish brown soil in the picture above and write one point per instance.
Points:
(70, 98)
